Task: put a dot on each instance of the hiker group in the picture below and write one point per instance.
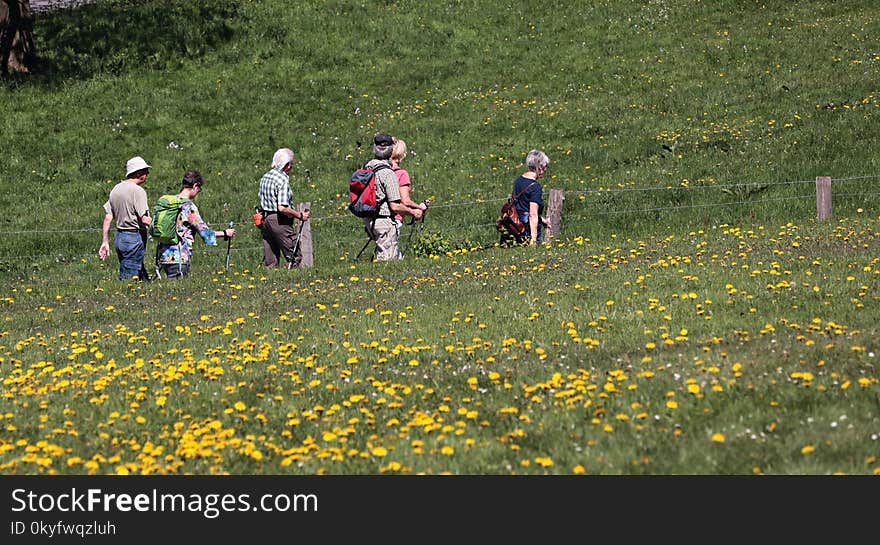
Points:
(379, 194)
(173, 224)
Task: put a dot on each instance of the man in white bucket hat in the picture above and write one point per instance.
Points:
(128, 204)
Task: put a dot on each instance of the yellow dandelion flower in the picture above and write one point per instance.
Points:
(672, 404)
(544, 461)
(379, 451)
(718, 437)
(808, 449)
(447, 450)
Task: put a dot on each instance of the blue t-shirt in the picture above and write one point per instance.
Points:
(532, 194)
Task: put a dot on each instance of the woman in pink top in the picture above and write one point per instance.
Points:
(398, 154)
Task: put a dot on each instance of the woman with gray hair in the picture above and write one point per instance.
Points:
(530, 199)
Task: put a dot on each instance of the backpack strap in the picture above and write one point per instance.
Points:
(515, 197)
(376, 170)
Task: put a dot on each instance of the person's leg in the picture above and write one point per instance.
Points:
(130, 251)
(386, 239)
(176, 270)
(284, 239)
(270, 241)
(397, 227)
(289, 247)
(141, 255)
(270, 259)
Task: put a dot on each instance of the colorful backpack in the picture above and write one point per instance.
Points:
(163, 229)
(362, 192)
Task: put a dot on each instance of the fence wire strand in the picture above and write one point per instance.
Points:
(470, 227)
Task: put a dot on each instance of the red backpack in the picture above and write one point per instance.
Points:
(362, 192)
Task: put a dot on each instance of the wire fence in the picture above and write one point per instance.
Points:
(570, 213)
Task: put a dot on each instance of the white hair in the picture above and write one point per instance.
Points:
(282, 157)
(537, 159)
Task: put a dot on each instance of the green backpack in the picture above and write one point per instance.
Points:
(165, 212)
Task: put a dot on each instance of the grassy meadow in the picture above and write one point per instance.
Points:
(692, 316)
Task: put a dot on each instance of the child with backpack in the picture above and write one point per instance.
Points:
(176, 220)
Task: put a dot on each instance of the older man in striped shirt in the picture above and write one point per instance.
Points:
(276, 199)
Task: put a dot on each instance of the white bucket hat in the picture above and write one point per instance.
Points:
(135, 164)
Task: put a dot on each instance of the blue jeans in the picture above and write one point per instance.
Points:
(528, 235)
(130, 249)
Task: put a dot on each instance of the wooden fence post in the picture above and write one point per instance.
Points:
(554, 213)
(823, 197)
(305, 238)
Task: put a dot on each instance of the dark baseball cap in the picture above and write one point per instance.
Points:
(382, 139)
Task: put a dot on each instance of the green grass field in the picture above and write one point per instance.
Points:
(691, 317)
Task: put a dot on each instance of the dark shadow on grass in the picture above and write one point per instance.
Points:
(116, 37)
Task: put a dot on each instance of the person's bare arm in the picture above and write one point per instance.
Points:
(104, 250)
(534, 220)
(404, 210)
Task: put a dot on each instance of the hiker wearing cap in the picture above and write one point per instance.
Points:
(175, 259)
(127, 203)
(276, 198)
(384, 230)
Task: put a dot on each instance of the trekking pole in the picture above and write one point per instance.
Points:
(229, 245)
(370, 239)
(412, 227)
(367, 243)
(156, 263)
(302, 225)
